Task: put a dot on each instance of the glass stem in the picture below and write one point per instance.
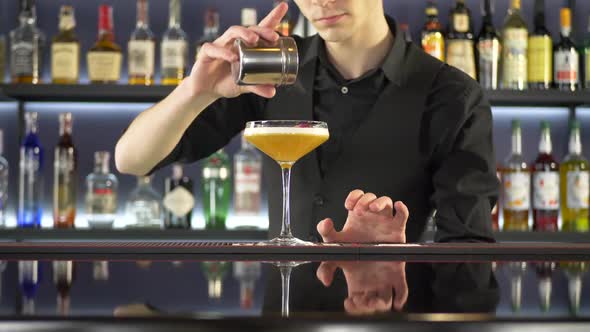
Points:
(285, 280)
(286, 228)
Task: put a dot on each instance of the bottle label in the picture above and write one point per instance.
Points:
(434, 44)
(104, 66)
(546, 190)
(101, 201)
(489, 61)
(247, 187)
(64, 165)
(65, 61)
(517, 191)
(540, 59)
(461, 22)
(141, 57)
(578, 189)
(22, 59)
(460, 54)
(515, 50)
(173, 54)
(179, 201)
(566, 67)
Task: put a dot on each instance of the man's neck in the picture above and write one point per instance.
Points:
(364, 51)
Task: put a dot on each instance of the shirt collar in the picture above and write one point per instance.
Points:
(391, 66)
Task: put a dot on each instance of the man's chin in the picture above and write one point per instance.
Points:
(334, 35)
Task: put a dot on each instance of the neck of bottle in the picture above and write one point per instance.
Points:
(516, 141)
(65, 127)
(31, 126)
(575, 144)
(142, 14)
(28, 13)
(515, 6)
(566, 31)
(545, 144)
(105, 24)
(174, 20)
(101, 166)
(211, 31)
(177, 172)
(144, 181)
(67, 22)
(487, 15)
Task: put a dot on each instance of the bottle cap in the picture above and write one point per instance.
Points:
(566, 17)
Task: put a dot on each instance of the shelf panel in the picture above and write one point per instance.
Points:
(547, 98)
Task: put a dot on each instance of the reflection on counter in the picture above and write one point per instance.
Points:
(191, 289)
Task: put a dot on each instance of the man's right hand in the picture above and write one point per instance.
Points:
(211, 73)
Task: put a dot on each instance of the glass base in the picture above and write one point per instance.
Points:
(285, 242)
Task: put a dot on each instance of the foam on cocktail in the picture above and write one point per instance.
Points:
(286, 131)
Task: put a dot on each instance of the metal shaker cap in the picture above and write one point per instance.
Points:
(276, 64)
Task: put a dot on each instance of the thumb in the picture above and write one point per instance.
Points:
(325, 273)
(264, 91)
(401, 215)
(327, 231)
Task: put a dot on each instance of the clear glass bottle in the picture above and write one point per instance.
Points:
(540, 52)
(247, 184)
(567, 58)
(216, 189)
(174, 50)
(144, 205)
(65, 176)
(142, 48)
(101, 193)
(65, 49)
(210, 31)
(3, 181)
(30, 189)
(26, 46)
(460, 40)
(433, 37)
(515, 36)
(179, 199)
(488, 50)
(105, 57)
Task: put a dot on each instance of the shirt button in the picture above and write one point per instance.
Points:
(344, 90)
(318, 200)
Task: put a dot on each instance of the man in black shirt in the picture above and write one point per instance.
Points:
(402, 125)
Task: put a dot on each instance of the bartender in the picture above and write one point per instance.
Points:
(403, 126)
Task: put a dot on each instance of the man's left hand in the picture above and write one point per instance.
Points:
(370, 219)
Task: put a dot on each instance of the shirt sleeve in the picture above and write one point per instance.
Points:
(214, 128)
(463, 167)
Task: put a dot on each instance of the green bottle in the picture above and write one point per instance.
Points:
(216, 189)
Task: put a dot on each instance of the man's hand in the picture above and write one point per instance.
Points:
(370, 285)
(370, 219)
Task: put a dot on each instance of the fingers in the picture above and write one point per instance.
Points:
(380, 204)
(327, 231)
(266, 33)
(212, 51)
(400, 285)
(401, 214)
(265, 91)
(362, 205)
(275, 16)
(325, 273)
(235, 32)
(353, 198)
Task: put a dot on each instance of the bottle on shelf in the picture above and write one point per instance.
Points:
(65, 176)
(567, 58)
(496, 208)
(179, 199)
(247, 185)
(2, 57)
(574, 178)
(4, 168)
(215, 272)
(210, 31)
(285, 27)
(63, 278)
(516, 185)
(144, 208)
(141, 48)
(586, 50)
(406, 33)
(65, 49)
(460, 40)
(174, 48)
(101, 193)
(105, 57)
(26, 46)
(540, 52)
(216, 190)
(514, 49)
(545, 184)
(30, 193)
(488, 50)
(29, 279)
(433, 38)
(544, 273)
(249, 17)
(247, 273)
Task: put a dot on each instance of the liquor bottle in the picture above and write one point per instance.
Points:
(285, 27)
(215, 272)
(104, 58)
(249, 17)
(247, 183)
(2, 57)
(26, 46)
(174, 48)
(544, 273)
(30, 188)
(3, 181)
(65, 176)
(574, 178)
(540, 52)
(516, 185)
(100, 270)
(516, 271)
(63, 278)
(405, 30)
(545, 184)
(488, 50)
(216, 190)
(587, 57)
(515, 36)
(433, 38)
(178, 199)
(247, 273)
(29, 279)
(65, 49)
(101, 193)
(567, 59)
(210, 31)
(142, 48)
(460, 40)
(144, 208)
(496, 208)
